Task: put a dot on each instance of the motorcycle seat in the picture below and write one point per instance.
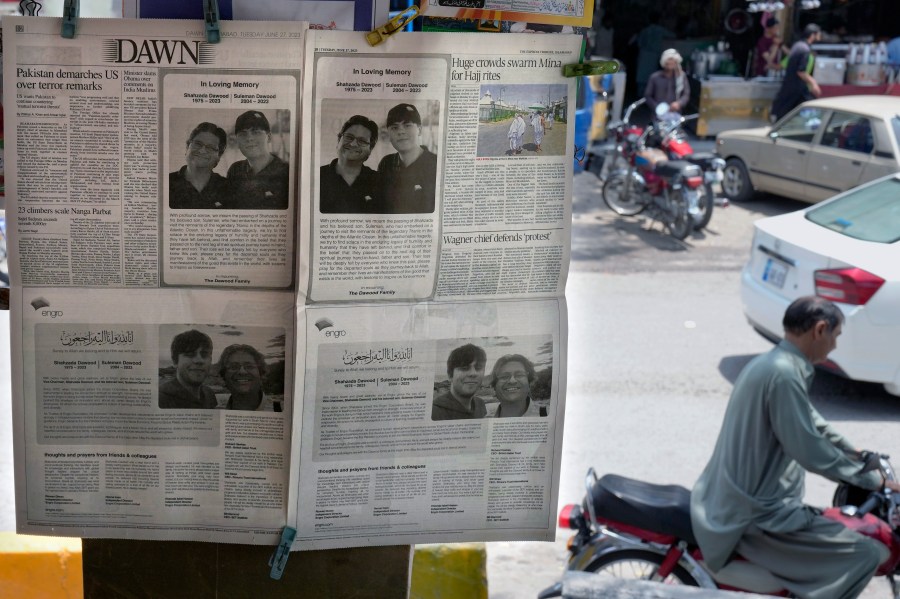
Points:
(702, 159)
(670, 168)
(659, 508)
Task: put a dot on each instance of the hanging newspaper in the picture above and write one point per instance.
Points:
(435, 196)
(153, 271)
(213, 339)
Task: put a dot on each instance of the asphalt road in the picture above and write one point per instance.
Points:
(656, 340)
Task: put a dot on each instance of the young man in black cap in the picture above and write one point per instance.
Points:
(261, 181)
(798, 85)
(407, 177)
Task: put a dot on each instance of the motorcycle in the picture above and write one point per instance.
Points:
(632, 529)
(668, 189)
(670, 138)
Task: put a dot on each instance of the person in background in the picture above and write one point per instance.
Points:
(191, 353)
(669, 85)
(798, 85)
(516, 133)
(769, 49)
(537, 123)
(261, 181)
(195, 186)
(893, 53)
(346, 185)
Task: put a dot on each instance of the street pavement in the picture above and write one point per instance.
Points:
(656, 340)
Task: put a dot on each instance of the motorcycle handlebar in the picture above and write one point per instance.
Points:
(869, 504)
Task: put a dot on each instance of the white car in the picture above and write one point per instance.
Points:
(847, 250)
(819, 149)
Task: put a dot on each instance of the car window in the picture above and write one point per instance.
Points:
(871, 213)
(847, 131)
(802, 126)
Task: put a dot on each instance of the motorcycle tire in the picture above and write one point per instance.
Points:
(613, 191)
(706, 203)
(679, 222)
(638, 564)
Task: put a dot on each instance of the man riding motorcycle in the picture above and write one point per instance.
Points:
(748, 500)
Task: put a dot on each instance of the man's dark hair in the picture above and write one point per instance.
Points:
(806, 311)
(189, 342)
(503, 361)
(358, 119)
(810, 30)
(210, 128)
(464, 355)
(239, 347)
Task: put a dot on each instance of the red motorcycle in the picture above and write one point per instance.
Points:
(667, 189)
(668, 135)
(627, 528)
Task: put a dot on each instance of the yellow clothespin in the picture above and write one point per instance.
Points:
(596, 67)
(379, 34)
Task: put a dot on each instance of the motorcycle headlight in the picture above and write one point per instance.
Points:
(718, 163)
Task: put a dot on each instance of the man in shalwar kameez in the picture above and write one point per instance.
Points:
(748, 500)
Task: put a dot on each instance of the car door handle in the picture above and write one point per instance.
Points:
(801, 151)
(855, 162)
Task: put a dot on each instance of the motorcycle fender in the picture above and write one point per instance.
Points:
(599, 546)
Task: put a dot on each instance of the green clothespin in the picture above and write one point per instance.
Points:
(69, 18)
(594, 67)
(211, 16)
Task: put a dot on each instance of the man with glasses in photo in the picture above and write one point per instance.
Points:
(195, 186)
(261, 181)
(242, 368)
(407, 177)
(346, 185)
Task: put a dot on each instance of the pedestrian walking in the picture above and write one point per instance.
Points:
(516, 133)
(537, 122)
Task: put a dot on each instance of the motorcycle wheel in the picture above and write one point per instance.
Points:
(706, 201)
(637, 564)
(679, 221)
(615, 197)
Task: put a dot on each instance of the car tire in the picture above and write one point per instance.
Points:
(736, 185)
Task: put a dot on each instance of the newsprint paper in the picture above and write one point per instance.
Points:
(231, 315)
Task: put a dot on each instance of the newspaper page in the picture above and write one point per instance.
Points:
(152, 398)
(431, 349)
(142, 156)
(482, 212)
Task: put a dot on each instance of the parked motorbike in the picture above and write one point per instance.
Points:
(668, 136)
(667, 189)
(632, 529)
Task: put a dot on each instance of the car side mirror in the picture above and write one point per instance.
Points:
(773, 135)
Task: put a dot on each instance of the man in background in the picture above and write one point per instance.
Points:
(798, 85)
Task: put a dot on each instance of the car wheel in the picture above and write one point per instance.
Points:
(736, 183)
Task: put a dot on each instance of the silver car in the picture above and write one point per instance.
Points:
(819, 149)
